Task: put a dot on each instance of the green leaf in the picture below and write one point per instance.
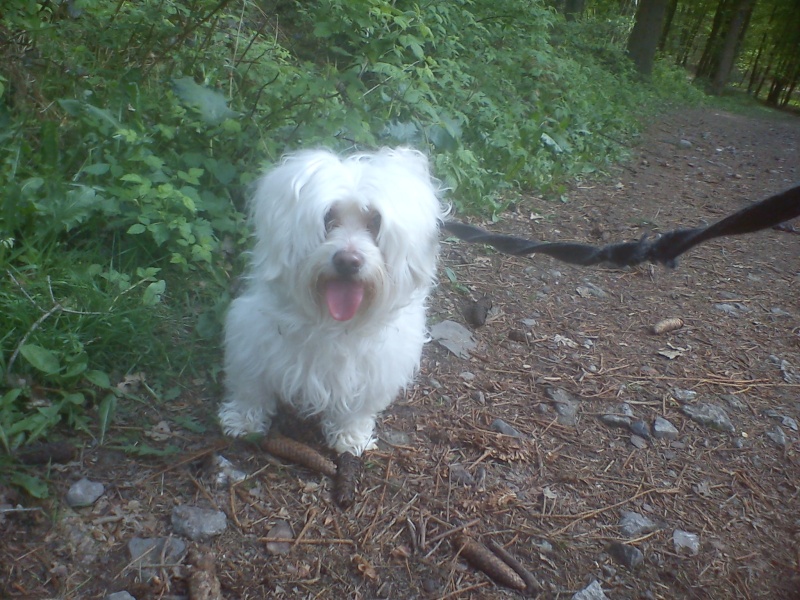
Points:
(152, 295)
(136, 229)
(96, 169)
(35, 486)
(190, 424)
(106, 410)
(41, 358)
(212, 105)
(98, 378)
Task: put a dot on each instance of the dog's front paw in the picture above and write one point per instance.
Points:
(356, 437)
(237, 423)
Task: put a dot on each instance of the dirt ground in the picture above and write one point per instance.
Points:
(553, 497)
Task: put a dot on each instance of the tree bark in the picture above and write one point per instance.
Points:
(573, 9)
(734, 34)
(671, 8)
(643, 41)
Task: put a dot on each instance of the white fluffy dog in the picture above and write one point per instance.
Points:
(332, 321)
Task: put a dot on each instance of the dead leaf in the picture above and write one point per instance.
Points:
(454, 337)
(159, 432)
(364, 567)
(282, 530)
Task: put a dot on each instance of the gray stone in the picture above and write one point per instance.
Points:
(460, 476)
(84, 493)
(632, 524)
(733, 401)
(147, 554)
(664, 430)
(393, 437)
(785, 421)
(683, 396)
(638, 442)
(641, 429)
(626, 555)
(593, 591)
(198, 524)
(501, 426)
(120, 596)
(709, 415)
(778, 436)
(614, 420)
(685, 542)
(565, 404)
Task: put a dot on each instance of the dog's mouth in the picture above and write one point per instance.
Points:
(343, 297)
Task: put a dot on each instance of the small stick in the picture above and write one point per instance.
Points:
(308, 541)
(482, 558)
(301, 454)
(450, 532)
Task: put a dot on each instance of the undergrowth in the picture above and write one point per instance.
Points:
(131, 130)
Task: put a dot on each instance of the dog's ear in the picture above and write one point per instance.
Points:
(287, 211)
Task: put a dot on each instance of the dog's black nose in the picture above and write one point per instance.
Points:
(347, 262)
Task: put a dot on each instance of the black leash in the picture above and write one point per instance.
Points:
(663, 249)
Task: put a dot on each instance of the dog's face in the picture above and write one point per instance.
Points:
(347, 238)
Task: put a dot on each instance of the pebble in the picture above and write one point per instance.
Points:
(150, 551)
(639, 442)
(685, 542)
(198, 524)
(626, 555)
(684, 144)
(614, 420)
(733, 401)
(459, 475)
(393, 437)
(683, 396)
(709, 415)
(120, 596)
(84, 493)
(785, 421)
(226, 472)
(664, 430)
(594, 591)
(501, 426)
(632, 524)
(565, 405)
(641, 429)
(778, 436)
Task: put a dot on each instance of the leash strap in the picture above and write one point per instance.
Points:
(663, 249)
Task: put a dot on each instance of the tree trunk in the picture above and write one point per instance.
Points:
(643, 41)
(573, 9)
(734, 34)
(671, 8)
(707, 63)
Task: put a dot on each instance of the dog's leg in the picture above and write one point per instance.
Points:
(352, 433)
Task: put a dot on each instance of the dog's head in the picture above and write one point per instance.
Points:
(348, 237)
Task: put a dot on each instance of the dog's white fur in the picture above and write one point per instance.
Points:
(380, 212)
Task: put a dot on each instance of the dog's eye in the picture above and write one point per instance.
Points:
(330, 220)
(374, 224)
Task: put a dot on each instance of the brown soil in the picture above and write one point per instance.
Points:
(553, 498)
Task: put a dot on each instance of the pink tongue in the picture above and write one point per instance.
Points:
(343, 297)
